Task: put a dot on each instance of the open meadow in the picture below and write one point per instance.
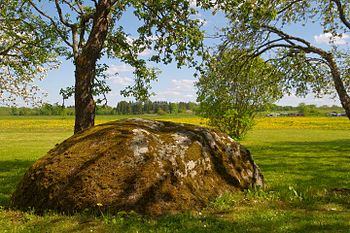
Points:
(305, 161)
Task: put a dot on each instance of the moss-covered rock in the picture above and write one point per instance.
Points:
(151, 167)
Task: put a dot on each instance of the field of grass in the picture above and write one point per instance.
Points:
(305, 161)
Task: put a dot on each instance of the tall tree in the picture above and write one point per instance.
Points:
(26, 52)
(261, 26)
(92, 29)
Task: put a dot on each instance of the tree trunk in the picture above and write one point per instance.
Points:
(85, 67)
(84, 102)
(339, 85)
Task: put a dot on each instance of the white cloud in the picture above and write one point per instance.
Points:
(116, 69)
(168, 94)
(179, 90)
(183, 85)
(327, 38)
(190, 96)
(120, 80)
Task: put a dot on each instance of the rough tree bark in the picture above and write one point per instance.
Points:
(339, 85)
(85, 63)
(84, 102)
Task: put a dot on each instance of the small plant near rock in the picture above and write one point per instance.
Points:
(225, 201)
(261, 194)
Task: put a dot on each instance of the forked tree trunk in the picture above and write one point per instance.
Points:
(85, 67)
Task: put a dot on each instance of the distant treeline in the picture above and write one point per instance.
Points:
(122, 108)
(306, 109)
(157, 107)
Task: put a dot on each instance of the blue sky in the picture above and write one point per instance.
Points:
(176, 84)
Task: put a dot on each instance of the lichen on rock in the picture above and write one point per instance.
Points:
(151, 167)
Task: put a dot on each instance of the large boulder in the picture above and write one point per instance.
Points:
(151, 167)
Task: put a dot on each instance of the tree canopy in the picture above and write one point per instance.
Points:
(261, 27)
(166, 29)
(91, 29)
(26, 52)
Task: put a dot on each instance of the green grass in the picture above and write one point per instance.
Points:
(302, 167)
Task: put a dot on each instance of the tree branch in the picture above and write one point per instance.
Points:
(78, 11)
(318, 60)
(288, 6)
(5, 51)
(101, 22)
(341, 12)
(267, 48)
(268, 43)
(84, 20)
(75, 42)
(59, 11)
(285, 36)
(80, 6)
(54, 24)
(95, 2)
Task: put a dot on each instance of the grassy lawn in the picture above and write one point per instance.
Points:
(305, 161)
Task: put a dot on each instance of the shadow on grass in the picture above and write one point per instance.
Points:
(11, 173)
(307, 167)
(316, 147)
(248, 220)
(243, 219)
(310, 163)
(256, 221)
